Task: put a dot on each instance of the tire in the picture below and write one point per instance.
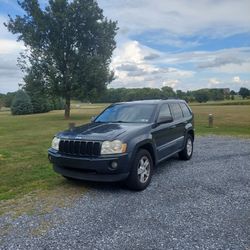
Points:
(187, 152)
(141, 171)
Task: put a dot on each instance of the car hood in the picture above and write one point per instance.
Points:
(100, 131)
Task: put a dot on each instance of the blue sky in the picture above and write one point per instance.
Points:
(185, 44)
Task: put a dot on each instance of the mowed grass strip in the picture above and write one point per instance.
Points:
(24, 167)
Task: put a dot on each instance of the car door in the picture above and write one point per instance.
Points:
(178, 125)
(163, 134)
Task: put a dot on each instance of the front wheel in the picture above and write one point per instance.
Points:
(187, 152)
(141, 171)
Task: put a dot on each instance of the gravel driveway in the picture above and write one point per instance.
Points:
(200, 204)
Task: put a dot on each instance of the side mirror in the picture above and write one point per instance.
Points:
(165, 119)
(92, 118)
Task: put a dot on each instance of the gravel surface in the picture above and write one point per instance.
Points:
(200, 204)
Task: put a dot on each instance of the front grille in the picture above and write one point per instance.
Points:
(80, 148)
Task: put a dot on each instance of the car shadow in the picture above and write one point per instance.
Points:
(102, 186)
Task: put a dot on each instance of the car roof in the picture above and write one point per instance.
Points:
(154, 101)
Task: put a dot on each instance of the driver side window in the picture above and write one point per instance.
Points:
(164, 111)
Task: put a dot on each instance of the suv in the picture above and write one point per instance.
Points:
(125, 142)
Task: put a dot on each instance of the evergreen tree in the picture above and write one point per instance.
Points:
(21, 104)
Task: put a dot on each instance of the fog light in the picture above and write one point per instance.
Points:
(114, 164)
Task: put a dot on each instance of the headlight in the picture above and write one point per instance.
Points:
(55, 143)
(113, 147)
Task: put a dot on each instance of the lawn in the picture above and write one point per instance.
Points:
(24, 166)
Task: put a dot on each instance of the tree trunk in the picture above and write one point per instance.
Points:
(67, 108)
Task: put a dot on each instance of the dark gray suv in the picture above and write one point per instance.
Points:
(125, 142)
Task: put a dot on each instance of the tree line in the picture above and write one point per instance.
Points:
(25, 102)
(201, 95)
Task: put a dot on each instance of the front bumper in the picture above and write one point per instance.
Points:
(91, 169)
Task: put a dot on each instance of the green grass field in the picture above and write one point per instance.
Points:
(24, 166)
(228, 120)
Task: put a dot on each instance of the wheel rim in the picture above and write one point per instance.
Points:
(189, 147)
(143, 170)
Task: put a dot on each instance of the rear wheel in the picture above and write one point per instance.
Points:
(187, 152)
(141, 171)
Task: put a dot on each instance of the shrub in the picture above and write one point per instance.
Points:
(40, 104)
(21, 104)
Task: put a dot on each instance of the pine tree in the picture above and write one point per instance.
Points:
(21, 104)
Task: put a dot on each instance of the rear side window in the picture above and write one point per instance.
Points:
(176, 111)
(185, 110)
(165, 111)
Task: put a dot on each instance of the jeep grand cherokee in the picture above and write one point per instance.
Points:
(125, 142)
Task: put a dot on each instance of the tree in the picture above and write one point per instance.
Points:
(201, 95)
(216, 94)
(181, 95)
(8, 99)
(35, 88)
(21, 104)
(69, 42)
(232, 92)
(2, 96)
(244, 92)
(168, 92)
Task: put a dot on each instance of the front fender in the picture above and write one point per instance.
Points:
(138, 143)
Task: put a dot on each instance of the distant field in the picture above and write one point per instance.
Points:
(228, 120)
(24, 166)
(225, 102)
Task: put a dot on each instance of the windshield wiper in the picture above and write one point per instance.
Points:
(120, 121)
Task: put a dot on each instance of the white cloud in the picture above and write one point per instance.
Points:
(10, 74)
(214, 81)
(234, 68)
(208, 59)
(8, 46)
(236, 79)
(182, 17)
(171, 83)
(132, 69)
(140, 66)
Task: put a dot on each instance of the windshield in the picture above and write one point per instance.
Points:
(136, 113)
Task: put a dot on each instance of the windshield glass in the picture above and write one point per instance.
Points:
(136, 113)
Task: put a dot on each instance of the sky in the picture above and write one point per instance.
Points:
(184, 44)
